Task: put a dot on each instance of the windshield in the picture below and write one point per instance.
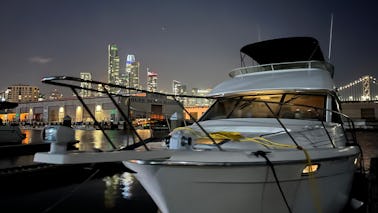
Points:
(293, 106)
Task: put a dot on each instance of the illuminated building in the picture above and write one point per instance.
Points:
(177, 88)
(151, 81)
(85, 76)
(132, 72)
(55, 95)
(143, 106)
(199, 101)
(22, 93)
(99, 89)
(113, 64)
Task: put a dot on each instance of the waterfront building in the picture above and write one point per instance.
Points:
(152, 78)
(147, 106)
(132, 72)
(113, 64)
(85, 76)
(195, 111)
(22, 93)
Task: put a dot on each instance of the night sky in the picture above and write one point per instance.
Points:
(196, 42)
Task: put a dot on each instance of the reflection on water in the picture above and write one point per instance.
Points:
(127, 181)
(67, 190)
(111, 190)
(28, 136)
(95, 139)
(32, 136)
(124, 182)
(92, 139)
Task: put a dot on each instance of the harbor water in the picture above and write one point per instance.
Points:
(103, 187)
(109, 187)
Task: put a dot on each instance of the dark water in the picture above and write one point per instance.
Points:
(368, 140)
(93, 188)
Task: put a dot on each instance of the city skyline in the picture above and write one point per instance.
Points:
(194, 42)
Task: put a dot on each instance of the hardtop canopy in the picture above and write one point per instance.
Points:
(284, 50)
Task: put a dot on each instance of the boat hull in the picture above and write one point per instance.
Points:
(11, 135)
(247, 186)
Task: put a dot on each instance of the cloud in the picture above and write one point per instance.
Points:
(39, 60)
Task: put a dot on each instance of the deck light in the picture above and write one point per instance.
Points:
(310, 169)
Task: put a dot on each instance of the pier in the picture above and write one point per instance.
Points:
(53, 111)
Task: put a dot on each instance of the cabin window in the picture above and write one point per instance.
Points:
(291, 106)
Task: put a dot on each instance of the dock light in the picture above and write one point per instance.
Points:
(310, 169)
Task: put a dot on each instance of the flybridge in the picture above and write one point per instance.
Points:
(281, 54)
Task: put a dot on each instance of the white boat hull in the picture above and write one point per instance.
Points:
(11, 135)
(248, 186)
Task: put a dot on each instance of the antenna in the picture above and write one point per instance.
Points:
(258, 33)
(330, 39)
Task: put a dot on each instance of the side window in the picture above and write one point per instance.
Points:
(335, 116)
(303, 107)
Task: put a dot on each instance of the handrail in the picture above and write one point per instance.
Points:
(283, 66)
(74, 84)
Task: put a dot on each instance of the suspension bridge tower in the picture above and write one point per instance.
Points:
(366, 88)
(363, 89)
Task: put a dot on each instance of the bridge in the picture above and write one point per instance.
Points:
(363, 89)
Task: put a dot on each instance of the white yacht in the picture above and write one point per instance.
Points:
(273, 141)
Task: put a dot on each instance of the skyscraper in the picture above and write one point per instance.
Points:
(132, 72)
(85, 76)
(151, 81)
(113, 64)
(178, 88)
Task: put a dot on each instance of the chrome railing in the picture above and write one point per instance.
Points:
(283, 66)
